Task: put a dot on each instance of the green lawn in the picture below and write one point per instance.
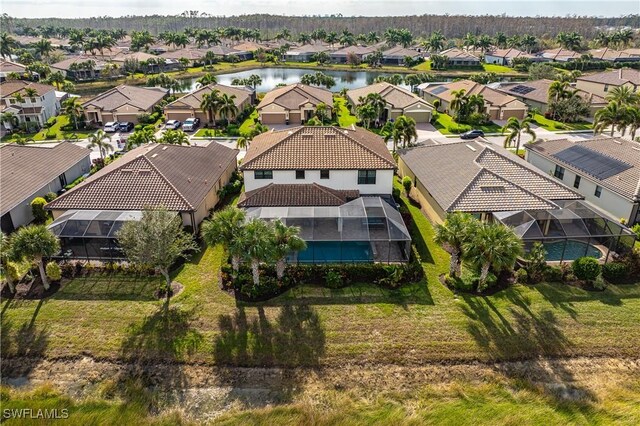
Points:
(62, 121)
(498, 69)
(553, 125)
(445, 121)
(345, 118)
(425, 66)
(245, 127)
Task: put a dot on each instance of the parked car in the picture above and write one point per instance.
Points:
(190, 124)
(471, 134)
(111, 127)
(125, 126)
(173, 124)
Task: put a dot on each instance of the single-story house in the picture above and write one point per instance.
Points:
(559, 55)
(8, 67)
(397, 55)
(477, 178)
(80, 67)
(252, 47)
(123, 103)
(498, 105)
(505, 56)
(293, 104)
(305, 53)
(460, 58)
(223, 52)
(605, 170)
(399, 102)
(633, 51)
(189, 105)
(193, 54)
(612, 55)
(182, 178)
(602, 82)
(361, 52)
(151, 60)
(536, 95)
(31, 109)
(28, 172)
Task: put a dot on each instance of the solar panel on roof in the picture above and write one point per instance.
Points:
(521, 90)
(439, 90)
(592, 162)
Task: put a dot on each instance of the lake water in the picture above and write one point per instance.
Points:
(271, 77)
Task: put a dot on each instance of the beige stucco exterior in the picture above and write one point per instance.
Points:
(419, 193)
(600, 89)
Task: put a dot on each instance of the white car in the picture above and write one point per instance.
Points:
(190, 124)
(173, 124)
(111, 127)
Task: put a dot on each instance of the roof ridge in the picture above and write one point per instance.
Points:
(165, 178)
(269, 149)
(327, 190)
(365, 147)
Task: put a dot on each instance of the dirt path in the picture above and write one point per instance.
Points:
(204, 392)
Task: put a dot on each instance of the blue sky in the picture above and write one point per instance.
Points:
(84, 8)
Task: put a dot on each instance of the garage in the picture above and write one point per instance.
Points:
(419, 116)
(508, 113)
(177, 115)
(294, 117)
(128, 117)
(273, 117)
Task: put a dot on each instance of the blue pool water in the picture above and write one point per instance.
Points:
(573, 250)
(335, 251)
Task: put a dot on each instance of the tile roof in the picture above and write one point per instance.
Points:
(193, 99)
(308, 48)
(559, 54)
(400, 52)
(608, 54)
(540, 92)
(250, 46)
(9, 87)
(66, 63)
(472, 176)
(27, 169)
(614, 77)
(321, 147)
(395, 96)
(509, 53)
(285, 195)
(459, 54)
(142, 98)
(8, 66)
(294, 95)
(174, 176)
(191, 53)
(624, 183)
(358, 50)
(491, 96)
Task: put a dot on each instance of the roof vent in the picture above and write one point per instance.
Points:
(164, 148)
(289, 132)
(307, 135)
(492, 187)
(470, 147)
(127, 170)
(146, 171)
(619, 142)
(636, 148)
(346, 132)
(154, 155)
(329, 135)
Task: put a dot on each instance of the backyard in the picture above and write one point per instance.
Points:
(359, 337)
(56, 129)
(445, 123)
(345, 118)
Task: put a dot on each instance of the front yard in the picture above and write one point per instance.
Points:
(553, 125)
(445, 124)
(56, 129)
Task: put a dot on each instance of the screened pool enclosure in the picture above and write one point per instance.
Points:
(571, 231)
(367, 229)
(91, 234)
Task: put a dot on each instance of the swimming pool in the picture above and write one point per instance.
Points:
(573, 250)
(336, 252)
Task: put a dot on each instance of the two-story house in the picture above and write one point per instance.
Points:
(32, 103)
(601, 83)
(333, 183)
(605, 170)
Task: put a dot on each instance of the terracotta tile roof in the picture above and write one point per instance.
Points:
(294, 95)
(608, 54)
(193, 99)
(188, 52)
(624, 183)
(250, 46)
(509, 53)
(472, 176)
(559, 54)
(176, 177)
(308, 48)
(142, 98)
(400, 52)
(358, 50)
(395, 96)
(26, 169)
(540, 92)
(459, 54)
(66, 63)
(8, 66)
(9, 87)
(284, 195)
(491, 96)
(614, 77)
(321, 147)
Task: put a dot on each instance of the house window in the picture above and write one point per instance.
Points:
(559, 172)
(606, 87)
(12, 101)
(63, 180)
(263, 174)
(366, 177)
(299, 174)
(33, 100)
(598, 191)
(576, 182)
(324, 174)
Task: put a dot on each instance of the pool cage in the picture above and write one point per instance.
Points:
(571, 231)
(91, 234)
(367, 229)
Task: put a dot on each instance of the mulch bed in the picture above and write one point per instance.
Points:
(31, 290)
(505, 280)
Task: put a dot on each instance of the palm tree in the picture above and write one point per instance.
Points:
(228, 107)
(258, 243)
(457, 229)
(515, 128)
(7, 45)
(56, 78)
(254, 80)
(459, 102)
(10, 118)
(99, 140)
(285, 240)
(321, 111)
(35, 242)
(366, 113)
(206, 80)
(72, 108)
(211, 104)
(6, 256)
(405, 129)
(558, 90)
(226, 228)
(493, 246)
(140, 137)
(43, 47)
(476, 102)
(242, 142)
(175, 137)
(633, 120)
(611, 115)
(623, 95)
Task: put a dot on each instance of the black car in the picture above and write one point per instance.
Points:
(125, 126)
(471, 134)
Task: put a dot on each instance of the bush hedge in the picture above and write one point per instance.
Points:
(615, 272)
(586, 268)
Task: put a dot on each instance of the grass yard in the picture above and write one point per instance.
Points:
(424, 66)
(62, 121)
(345, 118)
(553, 125)
(444, 122)
(245, 127)
(498, 69)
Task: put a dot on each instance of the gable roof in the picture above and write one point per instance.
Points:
(9, 87)
(308, 48)
(395, 96)
(459, 54)
(292, 96)
(490, 95)
(357, 50)
(400, 52)
(287, 195)
(614, 77)
(191, 53)
(624, 181)
(66, 63)
(509, 53)
(318, 147)
(139, 97)
(174, 176)
(608, 54)
(538, 91)
(250, 46)
(193, 99)
(8, 66)
(559, 54)
(474, 177)
(27, 169)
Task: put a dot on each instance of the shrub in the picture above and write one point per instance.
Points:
(68, 270)
(11, 271)
(137, 127)
(478, 118)
(407, 183)
(615, 271)
(553, 274)
(51, 134)
(599, 283)
(233, 130)
(522, 277)
(458, 128)
(50, 196)
(333, 279)
(37, 209)
(586, 268)
(636, 228)
(51, 122)
(536, 262)
(396, 193)
(54, 273)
